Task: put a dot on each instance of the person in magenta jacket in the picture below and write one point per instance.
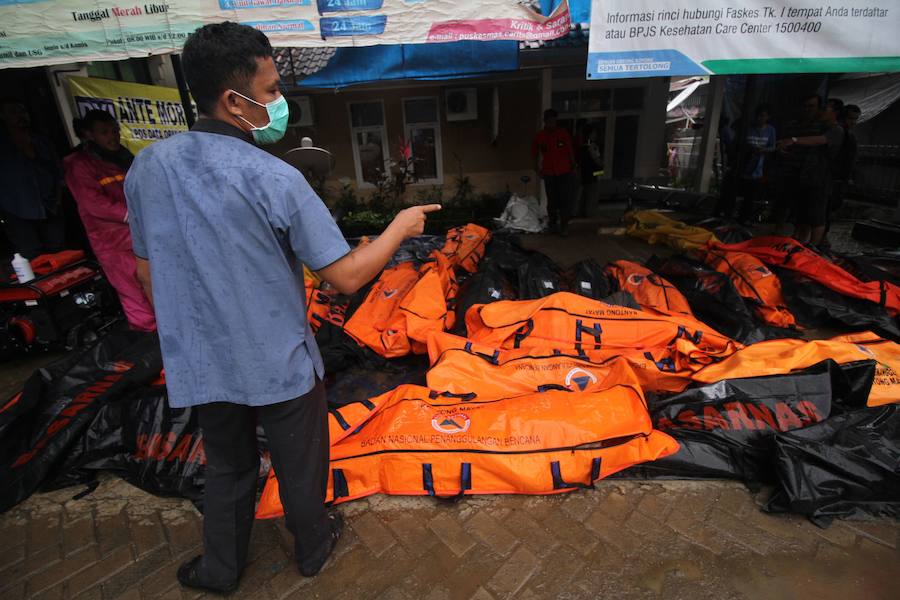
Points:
(96, 177)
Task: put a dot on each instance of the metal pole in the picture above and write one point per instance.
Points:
(183, 90)
(710, 131)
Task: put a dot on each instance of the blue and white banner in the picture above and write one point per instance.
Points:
(646, 38)
(45, 32)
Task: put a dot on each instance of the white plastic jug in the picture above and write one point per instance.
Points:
(23, 268)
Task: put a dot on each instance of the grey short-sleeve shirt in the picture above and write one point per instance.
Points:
(226, 228)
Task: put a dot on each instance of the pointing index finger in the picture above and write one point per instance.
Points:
(427, 208)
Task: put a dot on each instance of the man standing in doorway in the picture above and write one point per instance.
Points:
(759, 142)
(221, 231)
(555, 163)
(816, 149)
(843, 164)
(30, 209)
(800, 182)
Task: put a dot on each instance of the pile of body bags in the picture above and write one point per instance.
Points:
(473, 366)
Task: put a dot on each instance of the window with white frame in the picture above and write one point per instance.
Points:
(370, 143)
(422, 127)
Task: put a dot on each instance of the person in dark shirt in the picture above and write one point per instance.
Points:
(757, 144)
(32, 177)
(555, 163)
(590, 166)
(842, 166)
(807, 152)
(845, 161)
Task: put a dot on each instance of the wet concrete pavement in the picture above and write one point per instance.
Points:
(690, 540)
(676, 539)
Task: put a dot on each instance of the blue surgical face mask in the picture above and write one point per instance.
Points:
(278, 119)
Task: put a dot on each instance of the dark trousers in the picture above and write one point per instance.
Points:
(297, 432)
(33, 237)
(751, 191)
(561, 191)
(798, 199)
(725, 202)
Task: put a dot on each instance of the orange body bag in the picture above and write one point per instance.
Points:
(323, 306)
(777, 357)
(428, 307)
(459, 365)
(565, 321)
(465, 246)
(404, 306)
(790, 254)
(755, 283)
(378, 323)
(650, 290)
(424, 443)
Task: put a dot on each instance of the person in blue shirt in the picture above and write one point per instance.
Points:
(759, 141)
(221, 230)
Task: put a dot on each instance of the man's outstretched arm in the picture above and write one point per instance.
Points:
(359, 267)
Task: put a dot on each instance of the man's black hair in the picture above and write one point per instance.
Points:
(806, 97)
(92, 117)
(550, 114)
(222, 56)
(852, 108)
(836, 104)
(763, 108)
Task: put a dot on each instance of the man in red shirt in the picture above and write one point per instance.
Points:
(554, 158)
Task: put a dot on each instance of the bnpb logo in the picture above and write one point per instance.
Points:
(580, 378)
(451, 423)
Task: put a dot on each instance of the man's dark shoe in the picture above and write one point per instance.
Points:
(312, 565)
(189, 576)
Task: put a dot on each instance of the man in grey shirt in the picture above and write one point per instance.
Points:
(221, 230)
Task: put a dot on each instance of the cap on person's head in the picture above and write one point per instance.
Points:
(222, 56)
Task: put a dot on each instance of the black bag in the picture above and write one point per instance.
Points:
(539, 277)
(726, 231)
(814, 305)
(847, 466)
(57, 404)
(726, 429)
(714, 300)
(590, 280)
(506, 254)
(488, 285)
(871, 267)
(139, 437)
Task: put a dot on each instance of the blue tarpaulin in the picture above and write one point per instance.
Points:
(350, 66)
(580, 10)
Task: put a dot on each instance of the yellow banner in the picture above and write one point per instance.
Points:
(146, 113)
